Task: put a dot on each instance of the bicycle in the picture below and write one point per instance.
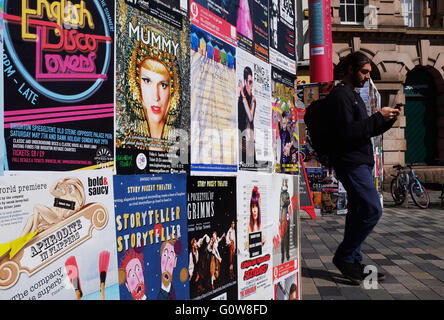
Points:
(403, 181)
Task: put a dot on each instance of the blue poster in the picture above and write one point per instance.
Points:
(151, 236)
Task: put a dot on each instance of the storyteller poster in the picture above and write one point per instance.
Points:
(282, 34)
(152, 93)
(255, 236)
(57, 237)
(212, 243)
(285, 212)
(59, 75)
(284, 123)
(151, 239)
(213, 103)
(254, 112)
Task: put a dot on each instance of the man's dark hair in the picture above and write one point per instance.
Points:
(355, 60)
(247, 72)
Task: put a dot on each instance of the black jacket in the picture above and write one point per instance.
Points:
(353, 128)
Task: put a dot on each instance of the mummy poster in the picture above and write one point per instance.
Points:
(284, 123)
(213, 103)
(255, 236)
(285, 212)
(152, 93)
(282, 34)
(57, 237)
(254, 113)
(58, 65)
(151, 236)
(212, 240)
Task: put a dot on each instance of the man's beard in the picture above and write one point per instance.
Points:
(357, 83)
(138, 291)
(166, 278)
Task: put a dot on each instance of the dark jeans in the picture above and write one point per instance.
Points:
(364, 211)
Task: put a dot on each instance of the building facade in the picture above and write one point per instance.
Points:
(405, 41)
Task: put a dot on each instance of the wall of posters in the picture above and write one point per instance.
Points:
(254, 112)
(212, 244)
(284, 123)
(59, 75)
(152, 95)
(213, 103)
(255, 236)
(151, 236)
(57, 237)
(282, 34)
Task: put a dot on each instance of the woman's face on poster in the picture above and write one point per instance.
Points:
(254, 211)
(155, 87)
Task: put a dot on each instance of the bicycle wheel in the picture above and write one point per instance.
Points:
(398, 193)
(419, 194)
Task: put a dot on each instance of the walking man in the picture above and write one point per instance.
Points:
(353, 161)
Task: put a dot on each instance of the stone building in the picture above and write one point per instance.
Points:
(405, 40)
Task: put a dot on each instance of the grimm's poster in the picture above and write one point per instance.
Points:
(212, 242)
(152, 93)
(255, 236)
(59, 75)
(213, 103)
(57, 237)
(151, 227)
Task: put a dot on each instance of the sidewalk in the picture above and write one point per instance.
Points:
(407, 245)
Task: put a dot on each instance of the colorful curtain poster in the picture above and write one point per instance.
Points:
(152, 95)
(252, 27)
(285, 212)
(254, 112)
(212, 243)
(255, 236)
(284, 123)
(282, 34)
(57, 237)
(151, 236)
(216, 17)
(59, 75)
(168, 11)
(213, 103)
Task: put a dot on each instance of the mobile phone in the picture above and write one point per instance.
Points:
(398, 106)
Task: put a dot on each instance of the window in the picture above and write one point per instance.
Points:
(351, 11)
(411, 11)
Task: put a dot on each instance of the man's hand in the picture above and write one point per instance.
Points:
(389, 113)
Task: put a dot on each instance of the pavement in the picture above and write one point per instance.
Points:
(407, 245)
